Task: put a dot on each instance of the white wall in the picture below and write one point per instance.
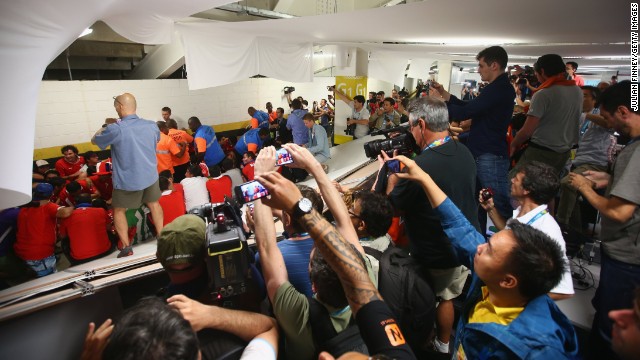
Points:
(69, 112)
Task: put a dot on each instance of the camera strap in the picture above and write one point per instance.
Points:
(437, 143)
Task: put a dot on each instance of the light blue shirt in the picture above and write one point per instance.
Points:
(133, 152)
(318, 142)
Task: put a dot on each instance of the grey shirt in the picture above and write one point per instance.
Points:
(558, 107)
(595, 145)
(621, 241)
(361, 130)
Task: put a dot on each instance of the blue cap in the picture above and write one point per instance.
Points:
(42, 191)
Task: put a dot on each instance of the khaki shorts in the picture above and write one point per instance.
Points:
(448, 283)
(133, 199)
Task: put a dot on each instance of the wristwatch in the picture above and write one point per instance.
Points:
(303, 207)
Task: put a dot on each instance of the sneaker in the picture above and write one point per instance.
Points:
(126, 251)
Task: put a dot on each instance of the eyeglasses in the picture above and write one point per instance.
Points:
(351, 213)
(115, 98)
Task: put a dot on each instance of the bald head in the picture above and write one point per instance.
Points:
(125, 104)
(251, 110)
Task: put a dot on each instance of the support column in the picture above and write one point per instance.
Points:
(444, 73)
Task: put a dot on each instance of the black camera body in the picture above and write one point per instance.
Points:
(228, 257)
(289, 89)
(403, 142)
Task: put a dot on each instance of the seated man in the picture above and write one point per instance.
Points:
(248, 163)
(508, 312)
(103, 181)
(68, 195)
(36, 234)
(195, 188)
(171, 331)
(385, 117)
(296, 249)
(232, 172)
(42, 166)
(172, 200)
(70, 164)
(86, 230)
(534, 186)
(218, 185)
(91, 162)
(318, 144)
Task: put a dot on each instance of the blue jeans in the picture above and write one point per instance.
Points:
(493, 172)
(44, 266)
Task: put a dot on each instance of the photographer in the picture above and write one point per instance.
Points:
(490, 115)
(386, 117)
(359, 114)
(453, 169)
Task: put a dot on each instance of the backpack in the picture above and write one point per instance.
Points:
(325, 337)
(406, 292)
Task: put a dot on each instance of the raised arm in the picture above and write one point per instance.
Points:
(302, 158)
(341, 256)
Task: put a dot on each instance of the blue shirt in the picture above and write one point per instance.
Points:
(296, 125)
(491, 113)
(296, 255)
(541, 331)
(263, 119)
(250, 137)
(133, 152)
(318, 142)
(213, 154)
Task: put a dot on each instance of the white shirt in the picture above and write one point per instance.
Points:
(195, 191)
(548, 225)
(258, 349)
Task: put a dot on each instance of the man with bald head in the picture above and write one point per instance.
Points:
(135, 179)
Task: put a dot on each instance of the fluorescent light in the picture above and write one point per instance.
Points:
(86, 31)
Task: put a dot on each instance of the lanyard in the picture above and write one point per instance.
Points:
(538, 216)
(437, 143)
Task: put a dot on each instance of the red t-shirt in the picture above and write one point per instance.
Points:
(66, 169)
(105, 187)
(173, 205)
(66, 200)
(218, 188)
(87, 231)
(36, 232)
(247, 170)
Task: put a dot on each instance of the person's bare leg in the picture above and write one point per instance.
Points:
(444, 320)
(120, 223)
(157, 215)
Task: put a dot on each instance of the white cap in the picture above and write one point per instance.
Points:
(42, 163)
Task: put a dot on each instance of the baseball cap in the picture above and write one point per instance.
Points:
(42, 163)
(104, 167)
(182, 241)
(42, 191)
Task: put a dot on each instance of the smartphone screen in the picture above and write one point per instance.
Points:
(393, 166)
(250, 191)
(283, 157)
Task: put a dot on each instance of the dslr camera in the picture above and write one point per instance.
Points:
(403, 142)
(228, 257)
(289, 89)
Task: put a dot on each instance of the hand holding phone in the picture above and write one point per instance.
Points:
(393, 166)
(250, 191)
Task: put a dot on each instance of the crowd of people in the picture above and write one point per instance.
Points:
(326, 285)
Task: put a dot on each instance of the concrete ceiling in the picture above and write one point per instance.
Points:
(600, 46)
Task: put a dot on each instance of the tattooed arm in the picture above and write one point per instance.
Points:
(340, 255)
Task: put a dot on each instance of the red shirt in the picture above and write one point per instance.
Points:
(66, 169)
(247, 170)
(172, 204)
(36, 232)
(218, 188)
(105, 187)
(66, 200)
(87, 231)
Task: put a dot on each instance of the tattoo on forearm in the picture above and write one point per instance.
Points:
(343, 258)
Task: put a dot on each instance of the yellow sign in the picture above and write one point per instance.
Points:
(352, 85)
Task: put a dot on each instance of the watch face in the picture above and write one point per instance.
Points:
(305, 205)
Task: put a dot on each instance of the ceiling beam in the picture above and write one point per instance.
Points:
(89, 63)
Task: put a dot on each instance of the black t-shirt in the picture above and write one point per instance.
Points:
(453, 169)
(381, 333)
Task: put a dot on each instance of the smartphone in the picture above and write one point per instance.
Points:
(250, 191)
(393, 166)
(283, 157)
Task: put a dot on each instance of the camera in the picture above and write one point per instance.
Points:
(486, 194)
(228, 257)
(289, 89)
(526, 74)
(350, 130)
(403, 143)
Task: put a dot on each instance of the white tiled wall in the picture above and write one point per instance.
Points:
(69, 112)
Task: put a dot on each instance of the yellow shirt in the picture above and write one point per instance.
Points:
(486, 312)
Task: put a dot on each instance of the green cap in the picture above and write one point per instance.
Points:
(182, 241)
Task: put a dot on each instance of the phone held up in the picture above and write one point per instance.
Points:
(250, 191)
(283, 157)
